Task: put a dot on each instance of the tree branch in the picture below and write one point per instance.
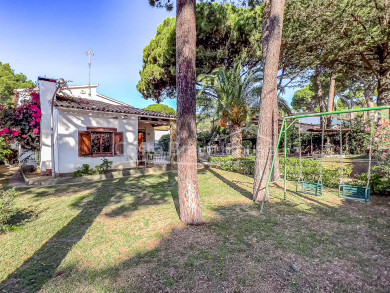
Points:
(368, 63)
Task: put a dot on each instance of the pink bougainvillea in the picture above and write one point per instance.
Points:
(22, 124)
(381, 141)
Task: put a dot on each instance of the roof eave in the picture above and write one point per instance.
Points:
(115, 113)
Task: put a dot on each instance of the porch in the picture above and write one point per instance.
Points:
(148, 155)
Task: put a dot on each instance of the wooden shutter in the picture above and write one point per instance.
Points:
(118, 143)
(84, 143)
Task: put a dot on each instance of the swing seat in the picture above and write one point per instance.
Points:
(354, 192)
(309, 188)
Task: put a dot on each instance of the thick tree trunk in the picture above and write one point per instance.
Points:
(173, 142)
(383, 90)
(236, 138)
(332, 94)
(275, 137)
(320, 94)
(272, 39)
(190, 207)
(369, 92)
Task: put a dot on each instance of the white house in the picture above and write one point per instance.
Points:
(88, 126)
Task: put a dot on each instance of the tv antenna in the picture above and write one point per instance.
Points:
(90, 53)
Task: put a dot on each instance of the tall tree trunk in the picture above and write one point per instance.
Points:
(236, 137)
(265, 149)
(383, 90)
(369, 92)
(173, 142)
(332, 94)
(320, 94)
(190, 207)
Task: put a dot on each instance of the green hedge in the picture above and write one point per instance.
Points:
(310, 169)
(379, 182)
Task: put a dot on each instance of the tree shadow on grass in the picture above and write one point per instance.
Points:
(40, 267)
(233, 185)
(146, 195)
(296, 194)
(241, 252)
(20, 218)
(174, 191)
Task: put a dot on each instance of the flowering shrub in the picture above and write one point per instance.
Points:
(22, 124)
(381, 141)
(4, 150)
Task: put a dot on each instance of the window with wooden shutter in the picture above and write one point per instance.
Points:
(84, 144)
(118, 143)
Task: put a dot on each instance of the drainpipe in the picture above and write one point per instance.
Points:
(60, 83)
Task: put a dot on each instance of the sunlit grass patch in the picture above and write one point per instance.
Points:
(124, 235)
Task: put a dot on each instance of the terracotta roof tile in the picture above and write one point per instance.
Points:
(65, 101)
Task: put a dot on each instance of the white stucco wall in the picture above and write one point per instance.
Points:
(82, 91)
(71, 122)
(68, 123)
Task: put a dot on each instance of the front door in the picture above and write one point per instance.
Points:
(141, 140)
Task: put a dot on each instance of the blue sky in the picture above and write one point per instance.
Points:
(51, 37)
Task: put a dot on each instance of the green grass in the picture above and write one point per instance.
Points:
(124, 235)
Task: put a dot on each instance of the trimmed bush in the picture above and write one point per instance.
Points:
(310, 169)
(246, 144)
(379, 182)
(86, 169)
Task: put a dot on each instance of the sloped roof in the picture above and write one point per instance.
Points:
(24, 94)
(66, 101)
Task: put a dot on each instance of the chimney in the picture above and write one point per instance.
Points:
(47, 88)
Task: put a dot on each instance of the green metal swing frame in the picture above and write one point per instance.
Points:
(345, 191)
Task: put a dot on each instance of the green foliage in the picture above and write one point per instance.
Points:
(229, 95)
(347, 37)
(7, 209)
(104, 167)
(167, 4)
(164, 141)
(305, 99)
(250, 131)
(380, 173)
(247, 144)
(234, 31)
(9, 81)
(22, 124)
(5, 149)
(244, 166)
(86, 169)
(204, 138)
(379, 181)
(161, 109)
(358, 139)
(310, 169)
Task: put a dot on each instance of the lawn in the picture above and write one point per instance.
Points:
(124, 235)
